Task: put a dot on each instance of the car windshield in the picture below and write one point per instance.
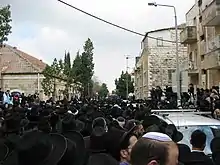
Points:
(210, 132)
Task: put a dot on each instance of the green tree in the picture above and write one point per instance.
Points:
(121, 85)
(67, 64)
(76, 68)
(87, 67)
(67, 71)
(103, 91)
(5, 27)
(51, 74)
(48, 81)
(61, 64)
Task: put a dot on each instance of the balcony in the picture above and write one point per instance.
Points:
(188, 35)
(213, 44)
(212, 60)
(211, 15)
(192, 68)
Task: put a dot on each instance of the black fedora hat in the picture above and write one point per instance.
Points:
(4, 151)
(118, 138)
(69, 157)
(173, 133)
(77, 138)
(100, 159)
(68, 122)
(97, 140)
(150, 120)
(38, 148)
(12, 122)
(79, 125)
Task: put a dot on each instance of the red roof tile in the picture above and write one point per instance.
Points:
(10, 59)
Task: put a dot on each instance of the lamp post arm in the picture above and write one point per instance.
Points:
(174, 8)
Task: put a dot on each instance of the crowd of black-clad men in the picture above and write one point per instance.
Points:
(99, 132)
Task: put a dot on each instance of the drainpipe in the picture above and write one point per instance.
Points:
(207, 47)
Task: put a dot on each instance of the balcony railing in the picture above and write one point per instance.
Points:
(192, 65)
(211, 15)
(213, 44)
(212, 60)
(193, 69)
(188, 35)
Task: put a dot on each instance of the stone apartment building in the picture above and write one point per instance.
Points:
(202, 37)
(22, 72)
(157, 61)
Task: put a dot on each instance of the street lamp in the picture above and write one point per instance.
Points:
(152, 4)
(177, 48)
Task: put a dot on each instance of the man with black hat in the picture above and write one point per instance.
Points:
(125, 148)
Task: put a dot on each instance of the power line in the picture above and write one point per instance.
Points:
(110, 23)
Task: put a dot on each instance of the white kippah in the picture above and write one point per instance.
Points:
(70, 112)
(157, 136)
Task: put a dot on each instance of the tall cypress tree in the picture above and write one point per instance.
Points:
(68, 62)
(87, 67)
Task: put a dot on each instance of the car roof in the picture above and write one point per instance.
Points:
(184, 119)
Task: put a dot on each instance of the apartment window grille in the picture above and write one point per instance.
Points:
(160, 41)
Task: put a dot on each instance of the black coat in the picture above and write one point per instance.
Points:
(198, 158)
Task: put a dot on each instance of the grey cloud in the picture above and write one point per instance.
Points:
(111, 44)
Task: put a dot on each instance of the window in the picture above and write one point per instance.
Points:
(204, 71)
(195, 56)
(170, 71)
(160, 41)
(208, 130)
(202, 37)
(145, 78)
(200, 19)
(194, 21)
(190, 56)
(200, 3)
(202, 57)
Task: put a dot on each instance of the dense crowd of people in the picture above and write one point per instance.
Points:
(95, 132)
(201, 99)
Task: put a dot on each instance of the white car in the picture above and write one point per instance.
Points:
(187, 122)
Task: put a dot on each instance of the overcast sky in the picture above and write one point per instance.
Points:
(46, 28)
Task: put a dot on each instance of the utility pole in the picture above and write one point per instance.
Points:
(178, 81)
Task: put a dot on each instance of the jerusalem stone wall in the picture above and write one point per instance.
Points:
(162, 60)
